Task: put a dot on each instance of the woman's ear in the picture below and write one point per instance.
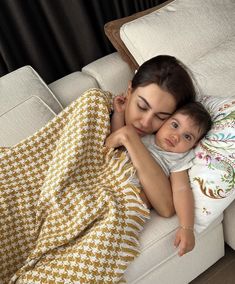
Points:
(129, 89)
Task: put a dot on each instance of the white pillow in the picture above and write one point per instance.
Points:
(213, 174)
(17, 86)
(186, 29)
(23, 120)
(199, 33)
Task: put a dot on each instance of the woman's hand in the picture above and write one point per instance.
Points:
(121, 137)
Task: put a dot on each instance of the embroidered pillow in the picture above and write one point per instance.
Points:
(213, 173)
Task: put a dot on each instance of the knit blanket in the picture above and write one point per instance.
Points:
(68, 213)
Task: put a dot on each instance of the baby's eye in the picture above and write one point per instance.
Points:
(187, 137)
(174, 124)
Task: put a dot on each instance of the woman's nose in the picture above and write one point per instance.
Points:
(146, 121)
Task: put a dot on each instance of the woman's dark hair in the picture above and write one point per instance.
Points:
(170, 75)
(199, 115)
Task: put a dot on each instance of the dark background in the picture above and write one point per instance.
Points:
(57, 37)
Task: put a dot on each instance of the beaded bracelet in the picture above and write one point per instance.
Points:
(187, 228)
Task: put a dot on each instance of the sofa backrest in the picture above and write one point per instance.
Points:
(200, 33)
(111, 73)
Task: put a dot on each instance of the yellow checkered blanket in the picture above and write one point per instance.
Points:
(68, 213)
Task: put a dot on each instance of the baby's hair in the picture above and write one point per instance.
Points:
(197, 112)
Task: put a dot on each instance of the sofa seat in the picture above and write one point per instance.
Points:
(157, 249)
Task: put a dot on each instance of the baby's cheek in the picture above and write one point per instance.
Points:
(156, 125)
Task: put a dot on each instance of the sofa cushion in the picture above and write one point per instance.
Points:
(214, 71)
(112, 30)
(23, 120)
(22, 83)
(178, 29)
(213, 171)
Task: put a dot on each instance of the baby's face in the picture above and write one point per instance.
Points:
(178, 134)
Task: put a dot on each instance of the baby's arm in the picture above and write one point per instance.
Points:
(118, 119)
(184, 206)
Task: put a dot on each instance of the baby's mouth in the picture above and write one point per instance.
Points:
(169, 142)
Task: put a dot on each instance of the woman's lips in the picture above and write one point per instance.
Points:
(139, 131)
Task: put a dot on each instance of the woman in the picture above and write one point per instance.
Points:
(63, 195)
(160, 86)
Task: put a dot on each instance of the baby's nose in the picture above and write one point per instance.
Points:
(175, 138)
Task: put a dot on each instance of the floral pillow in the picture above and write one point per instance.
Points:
(212, 175)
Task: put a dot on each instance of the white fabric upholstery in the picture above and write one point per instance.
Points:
(174, 269)
(22, 83)
(23, 120)
(183, 28)
(214, 71)
(158, 236)
(229, 225)
(70, 87)
(111, 73)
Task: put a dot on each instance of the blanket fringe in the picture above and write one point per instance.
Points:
(136, 211)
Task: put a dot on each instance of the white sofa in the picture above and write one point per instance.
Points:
(27, 103)
(20, 116)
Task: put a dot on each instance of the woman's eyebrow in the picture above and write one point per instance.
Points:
(146, 102)
(149, 106)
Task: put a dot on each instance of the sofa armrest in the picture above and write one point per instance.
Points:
(111, 73)
(229, 225)
(20, 84)
(70, 87)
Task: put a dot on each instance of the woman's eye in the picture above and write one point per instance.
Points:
(160, 118)
(141, 107)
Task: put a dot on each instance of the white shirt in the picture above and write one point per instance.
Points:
(169, 161)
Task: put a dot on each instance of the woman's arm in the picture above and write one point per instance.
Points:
(184, 207)
(154, 181)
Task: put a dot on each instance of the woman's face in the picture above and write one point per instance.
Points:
(147, 108)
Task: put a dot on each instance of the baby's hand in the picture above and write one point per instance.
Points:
(119, 103)
(185, 240)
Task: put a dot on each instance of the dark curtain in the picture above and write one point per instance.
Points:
(57, 37)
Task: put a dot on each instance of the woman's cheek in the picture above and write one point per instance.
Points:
(157, 124)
